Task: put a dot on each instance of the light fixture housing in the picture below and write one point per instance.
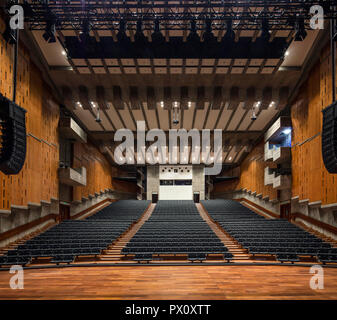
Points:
(230, 34)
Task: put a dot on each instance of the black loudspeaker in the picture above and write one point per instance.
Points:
(13, 136)
(329, 138)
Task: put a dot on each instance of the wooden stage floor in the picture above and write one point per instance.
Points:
(170, 282)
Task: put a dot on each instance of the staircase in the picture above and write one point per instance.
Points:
(238, 252)
(113, 252)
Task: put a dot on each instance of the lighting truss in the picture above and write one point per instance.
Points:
(175, 14)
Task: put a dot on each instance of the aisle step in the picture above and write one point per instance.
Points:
(233, 247)
(115, 249)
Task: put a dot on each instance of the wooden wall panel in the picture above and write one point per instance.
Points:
(252, 175)
(38, 179)
(99, 174)
(310, 179)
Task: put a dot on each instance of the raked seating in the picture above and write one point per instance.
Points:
(267, 236)
(175, 227)
(72, 238)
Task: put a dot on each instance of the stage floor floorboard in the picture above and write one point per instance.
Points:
(170, 282)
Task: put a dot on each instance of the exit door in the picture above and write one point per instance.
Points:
(286, 211)
(64, 212)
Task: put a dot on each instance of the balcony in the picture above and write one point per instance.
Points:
(282, 182)
(69, 129)
(268, 177)
(73, 177)
(281, 154)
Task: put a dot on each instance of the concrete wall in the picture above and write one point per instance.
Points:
(21, 215)
(198, 180)
(152, 181)
(324, 213)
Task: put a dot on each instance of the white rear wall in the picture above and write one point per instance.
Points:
(175, 193)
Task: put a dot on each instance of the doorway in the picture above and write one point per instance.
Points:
(285, 210)
(64, 212)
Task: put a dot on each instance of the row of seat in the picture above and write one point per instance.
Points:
(259, 235)
(175, 227)
(73, 238)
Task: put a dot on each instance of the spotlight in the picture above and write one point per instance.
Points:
(300, 30)
(121, 35)
(176, 113)
(208, 35)
(193, 36)
(139, 35)
(157, 35)
(49, 34)
(254, 117)
(85, 33)
(230, 34)
(98, 118)
(265, 35)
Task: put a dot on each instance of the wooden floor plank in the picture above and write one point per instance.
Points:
(170, 282)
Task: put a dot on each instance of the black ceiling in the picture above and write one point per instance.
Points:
(245, 48)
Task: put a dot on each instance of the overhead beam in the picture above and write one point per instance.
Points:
(117, 97)
(234, 98)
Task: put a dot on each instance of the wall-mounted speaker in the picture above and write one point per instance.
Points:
(329, 138)
(13, 136)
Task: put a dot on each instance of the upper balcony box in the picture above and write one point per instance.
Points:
(73, 177)
(280, 132)
(281, 154)
(282, 182)
(71, 130)
(268, 176)
(268, 151)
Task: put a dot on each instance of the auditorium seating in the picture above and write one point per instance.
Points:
(267, 236)
(175, 227)
(73, 238)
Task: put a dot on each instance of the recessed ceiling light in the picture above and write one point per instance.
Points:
(287, 53)
(64, 53)
(230, 159)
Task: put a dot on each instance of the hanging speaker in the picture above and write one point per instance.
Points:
(329, 138)
(13, 136)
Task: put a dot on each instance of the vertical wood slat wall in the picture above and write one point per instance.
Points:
(252, 175)
(310, 178)
(38, 179)
(123, 186)
(98, 170)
